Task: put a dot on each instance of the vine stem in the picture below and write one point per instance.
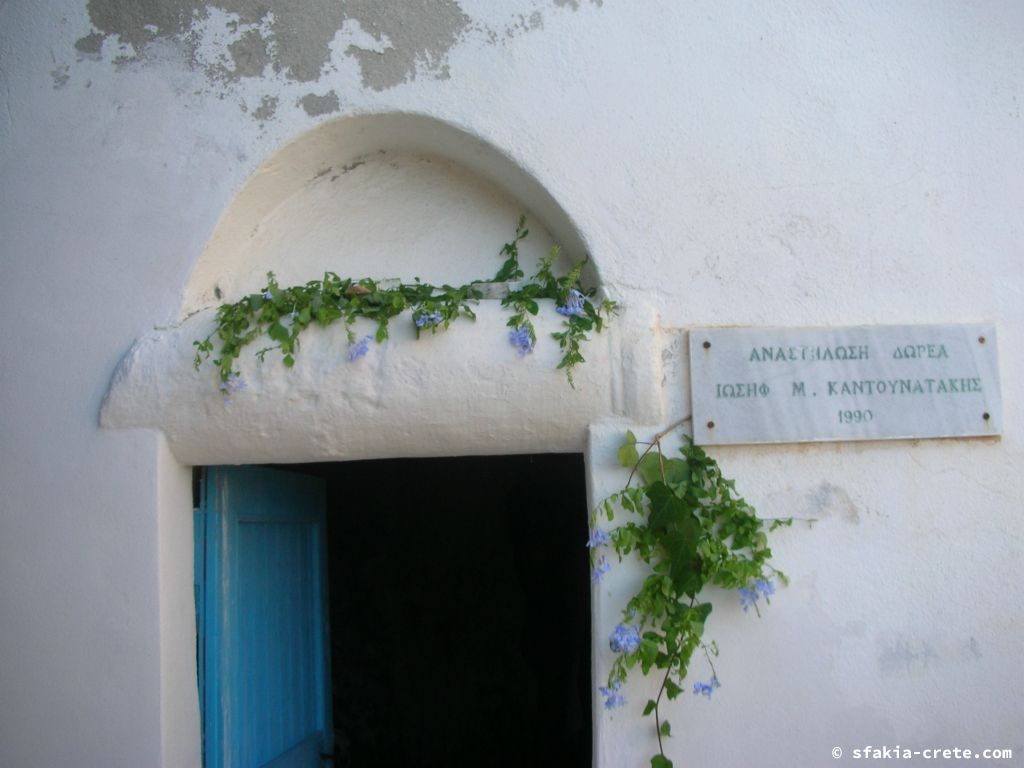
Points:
(656, 441)
(657, 704)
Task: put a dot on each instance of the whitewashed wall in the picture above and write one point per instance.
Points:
(724, 163)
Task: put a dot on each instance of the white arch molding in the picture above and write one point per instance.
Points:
(383, 195)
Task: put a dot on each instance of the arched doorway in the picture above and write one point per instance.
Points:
(463, 393)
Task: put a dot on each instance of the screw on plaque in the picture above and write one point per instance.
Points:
(985, 416)
(707, 345)
(711, 425)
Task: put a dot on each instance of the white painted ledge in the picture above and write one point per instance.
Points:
(461, 392)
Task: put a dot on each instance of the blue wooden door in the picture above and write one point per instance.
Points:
(261, 604)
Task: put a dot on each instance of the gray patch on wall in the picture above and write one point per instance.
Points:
(301, 32)
(418, 35)
(897, 656)
(266, 109)
(829, 500)
(60, 76)
(320, 105)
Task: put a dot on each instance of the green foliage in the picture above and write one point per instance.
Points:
(686, 522)
(546, 285)
(282, 314)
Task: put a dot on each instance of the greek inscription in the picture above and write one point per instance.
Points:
(925, 351)
(870, 387)
(798, 389)
(808, 354)
(736, 391)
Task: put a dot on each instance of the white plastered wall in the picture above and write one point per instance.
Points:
(806, 164)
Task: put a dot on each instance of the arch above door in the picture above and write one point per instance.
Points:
(394, 195)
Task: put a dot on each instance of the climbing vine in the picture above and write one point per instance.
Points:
(686, 522)
(282, 314)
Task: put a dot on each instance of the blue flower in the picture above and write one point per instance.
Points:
(706, 688)
(601, 567)
(612, 698)
(268, 295)
(573, 305)
(422, 318)
(233, 384)
(598, 538)
(750, 595)
(360, 348)
(521, 340)
(747, 598)
(624, 639)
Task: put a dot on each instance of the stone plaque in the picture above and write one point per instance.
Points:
(788, 385)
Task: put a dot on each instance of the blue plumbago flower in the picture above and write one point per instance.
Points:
(601, 567)
(747, 598)
(233, 384)
(766, 588)
(520, 339)
(268, 295)
(612, 698)
(750, 595)
(423, 319)
(706, 688)
(360, 348)
(598, 538)
(573, 305)
(624, 639)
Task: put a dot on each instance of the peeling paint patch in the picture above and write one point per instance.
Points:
(250, 54)
(90, 45)
(266, 109)
(320, 105)
(420, 35)
(60, 76)
(229, 41)
(245, 48)
(296, 42)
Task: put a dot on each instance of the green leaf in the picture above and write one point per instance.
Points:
(666, 728)
(660, 761)
(628, 455)
(650, 467)
(288, 361)
(671, 689)
(277, 332)
(667, 509)
(650, 707)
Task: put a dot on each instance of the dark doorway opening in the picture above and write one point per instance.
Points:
(459, 612)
